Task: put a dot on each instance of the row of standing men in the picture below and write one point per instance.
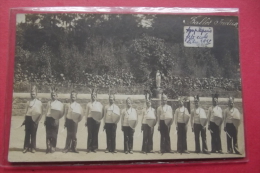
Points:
(111, 114)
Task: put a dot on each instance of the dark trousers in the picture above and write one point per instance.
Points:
(93, 128)
(147, 138)
(128, 138)
(52, 127)
(165, 145)
(111, 136)
(30, 133)
(199, 130)
(232, 131)
(71, 140)
(182, 137)
(215, 138)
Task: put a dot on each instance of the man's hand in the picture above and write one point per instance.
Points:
(65, 124)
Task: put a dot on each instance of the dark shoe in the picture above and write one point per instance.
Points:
(75, 150)
(65, 150)
(161, 152)
(237, 152)
(25, 150)
(187, 152)
(88, 151)
(230, 152)
(206, 152)
(94, 151)
(126, 152)
(33, 150)
(114, 151)
(131, 152)
(220, 152)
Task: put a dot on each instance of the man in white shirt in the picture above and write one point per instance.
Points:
(230, 114)
(129, 115)
(92, 124)
(109, 125)
(215, 116)
(197, 127)
(181, 126)
(72, 110)
(164, 113)
(148, 114)
(51, 124)
(33, 115)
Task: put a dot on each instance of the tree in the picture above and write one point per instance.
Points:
(147, 55)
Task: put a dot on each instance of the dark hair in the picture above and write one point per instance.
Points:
(73, 91)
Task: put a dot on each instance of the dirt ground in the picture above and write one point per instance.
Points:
(17, 139)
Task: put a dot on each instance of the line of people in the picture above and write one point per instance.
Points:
(164, 116)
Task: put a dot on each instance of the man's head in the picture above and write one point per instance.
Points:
(180, 102)
(33, 92)
(73, 96)
(111, 99)
(129, 102)
(196, 100)
(231, 102)
(164, 99)
(94, 94)
(54, 94)
(148, 103)
(215, 99)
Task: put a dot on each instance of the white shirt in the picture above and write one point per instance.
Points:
(90, 106)
(213, 110)
(128, 114)
(73, 107)
(148, 113)
(109, 109)
(162, 110)
(34, 106)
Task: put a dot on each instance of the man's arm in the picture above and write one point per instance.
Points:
(143, 112)
(225, 118)
(86, 113)
(122, 119)
(192, 118)
(104, 115)
(158, 117)
(209, 116)
(46, 112)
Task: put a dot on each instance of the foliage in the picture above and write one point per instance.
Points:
(120, 50)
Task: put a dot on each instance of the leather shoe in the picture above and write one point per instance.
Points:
(25, 150)
(33, 150)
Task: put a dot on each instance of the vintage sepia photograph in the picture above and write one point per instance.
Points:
(122, 87)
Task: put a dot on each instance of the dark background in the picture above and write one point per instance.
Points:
(249, 53)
